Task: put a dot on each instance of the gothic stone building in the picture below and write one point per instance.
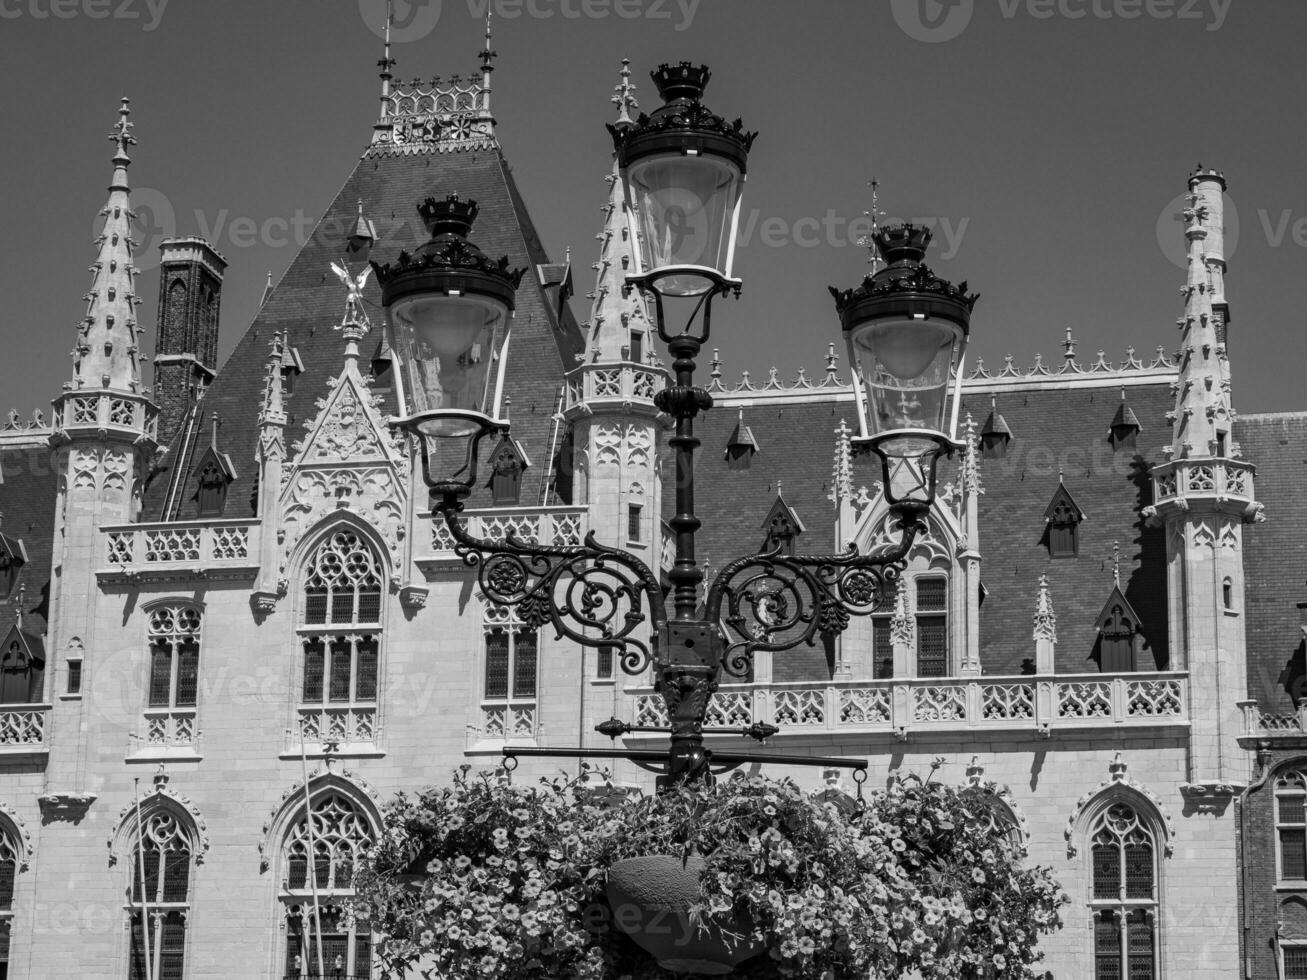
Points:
(226, 607)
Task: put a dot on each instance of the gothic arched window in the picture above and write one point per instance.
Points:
(174, 640)
(1123, 894)
(10, 862)
(932, 626)
(1291, 826)
(159, 911)
(341, 639)
(512, 662)
(320, 853)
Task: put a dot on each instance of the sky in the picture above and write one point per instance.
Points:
(1048, 143)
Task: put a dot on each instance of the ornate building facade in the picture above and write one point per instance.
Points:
(233, 629)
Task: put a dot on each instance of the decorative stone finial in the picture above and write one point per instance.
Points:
(624, 96)
(1045, 618)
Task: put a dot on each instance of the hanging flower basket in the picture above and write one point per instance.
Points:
(651, 900)
(753, 879)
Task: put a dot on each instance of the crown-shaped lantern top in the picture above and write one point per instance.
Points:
(449, 253)
(902, 245)
(682, 121)
(905, 279)
(450, 217)
(684, 82)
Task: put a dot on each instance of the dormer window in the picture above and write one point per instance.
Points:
(506, 465)
(1118, 631)
(1063, 518)
(13, 556)
(1124, 431)
(1118, 635)
(22, 667)
(781, 527)
(213, 474)
(741, 446)
(292, 365)
(995, 434)
(212, 492)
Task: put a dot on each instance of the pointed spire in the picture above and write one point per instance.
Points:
(267, 290)
(106, 351)
(901, 624)
(1116, 564)
(1203, 416)
(274, 410)
(1045, 619)
(488, 55)
(624, 96)
(842, 471)
(387, 63)
(875, 214)
(615, 313)
(971, 459)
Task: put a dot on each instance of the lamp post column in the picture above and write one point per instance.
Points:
(689, 648)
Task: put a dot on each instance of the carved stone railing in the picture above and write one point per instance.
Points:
(205, 547)
(166, 733)
(1258, 723)
(1179, 481)
(345, 724)
(542, 525)
(171, 726)
(1042, 704)
(105, 411)
(623, 382)
(22, 728)
(508, 721)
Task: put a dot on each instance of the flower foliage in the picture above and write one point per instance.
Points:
(483, 879)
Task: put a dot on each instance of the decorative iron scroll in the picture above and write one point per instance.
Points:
(589, 593)
(775, 602)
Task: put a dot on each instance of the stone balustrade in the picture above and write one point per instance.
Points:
(538, 525)
(1258, 723)
(202, 546)
(1182, 479)
(1041, 703)
(613, 381)
(22, 728)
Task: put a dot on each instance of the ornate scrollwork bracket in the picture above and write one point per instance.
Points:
(592, 594)
(774, 602)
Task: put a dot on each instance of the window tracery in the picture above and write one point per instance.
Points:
(321, 850)
(341, 640)
(159, 906)
(1123, 894)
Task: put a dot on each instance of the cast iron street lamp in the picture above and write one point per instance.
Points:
(449, 310)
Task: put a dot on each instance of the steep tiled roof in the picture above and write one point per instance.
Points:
(1275, 561)
(308, 302)
(27, 500)
(1059, 425)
